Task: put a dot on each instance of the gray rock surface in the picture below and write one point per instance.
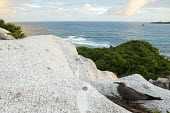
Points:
(137, 82)
(161, 82)
(39, 75)
(4, 35)
(84, 69)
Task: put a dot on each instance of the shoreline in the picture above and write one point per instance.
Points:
(159, 22)
(101, 34)
(165, 57)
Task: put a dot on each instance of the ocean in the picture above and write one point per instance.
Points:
(103, 34)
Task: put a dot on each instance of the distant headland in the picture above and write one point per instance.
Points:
(160, 23)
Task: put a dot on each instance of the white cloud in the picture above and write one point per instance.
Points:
(31, 5)
(59, 11)
(20, 8)
(84, 9)
(133, 6)
(5, 10)
(98, 10)
(110, 12)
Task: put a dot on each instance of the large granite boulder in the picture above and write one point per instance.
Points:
(4, 35)
(84, 69)
(137, 82)
(161, 82)
(42, 74)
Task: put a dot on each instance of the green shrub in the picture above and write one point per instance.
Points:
(157, 111)
(14, 30)
(129, 58)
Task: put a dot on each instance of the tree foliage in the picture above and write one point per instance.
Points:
(129, 58)
(14, 30)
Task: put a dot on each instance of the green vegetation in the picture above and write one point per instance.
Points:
(160, 22)
(157, 111)
(14, 30)
(129, 58)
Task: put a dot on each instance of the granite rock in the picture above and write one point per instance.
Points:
(38, 75)
(4, 35)
(137, 82)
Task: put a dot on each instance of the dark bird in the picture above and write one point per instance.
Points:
(131, 94)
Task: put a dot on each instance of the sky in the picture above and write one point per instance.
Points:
(85, 10)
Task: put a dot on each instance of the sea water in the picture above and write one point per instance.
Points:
(103, 34)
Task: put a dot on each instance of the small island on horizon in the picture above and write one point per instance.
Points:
(160, 23)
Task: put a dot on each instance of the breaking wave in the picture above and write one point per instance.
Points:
(75, 38)
(81, 41)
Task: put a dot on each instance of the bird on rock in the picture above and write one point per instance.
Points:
(130, 94)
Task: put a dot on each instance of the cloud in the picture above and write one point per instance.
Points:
(4, 8)
(98, 10)
(133, 6)
(3, 3)
(85, 8)
(60, 11)
(31, 5)
(110, 12)
(21, 8)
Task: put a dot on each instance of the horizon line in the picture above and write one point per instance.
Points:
(77, 21)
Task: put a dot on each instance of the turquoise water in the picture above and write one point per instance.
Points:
(103, 34)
